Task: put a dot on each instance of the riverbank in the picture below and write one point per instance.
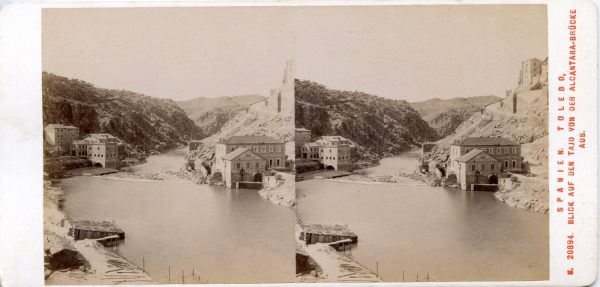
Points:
(399, 179)
(329, 265)
(283, 193)
(526, 193)
(99, 265)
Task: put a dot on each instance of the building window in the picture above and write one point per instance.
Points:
(499, 151)
(514, 163)
(473, 167)
(483, 167)
(263, 149)
(506, 164)
(492, 167)
(270, 162)
(255, 149)
(514, 150)
(277, 162)
(506, 150)
(238, 165)
(270, 148)
(247, 165)
(491, 150)
(467, 150)
(257, 165)
(232, 148)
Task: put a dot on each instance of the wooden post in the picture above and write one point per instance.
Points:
(377, 268)
(417, 276)
(182, 279)
(143, 264)
(169, 274)
(402, 275)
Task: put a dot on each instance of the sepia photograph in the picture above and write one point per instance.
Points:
(299, 143)
(421, 136)
(168, 145)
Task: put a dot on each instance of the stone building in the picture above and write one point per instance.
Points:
(504, 151)
(310, 151)
(243, 165)
(79, 148)
(101, 149)
(337, 156)
(477, 167)
(105, 154)
(333, 152)
(272, 150)
(59, 137)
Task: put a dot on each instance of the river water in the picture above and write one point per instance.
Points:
(450, 234)
(219, 234)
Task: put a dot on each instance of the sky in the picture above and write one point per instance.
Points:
(401, 52)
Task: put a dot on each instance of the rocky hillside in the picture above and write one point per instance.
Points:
(250, 122)
(380, 126)
(211, 114)
(144, 122)
(446, 115)
(528, 126)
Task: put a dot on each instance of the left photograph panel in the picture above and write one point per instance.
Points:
(168, 145)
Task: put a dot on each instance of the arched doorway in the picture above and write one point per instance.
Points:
(258, 177)
(493, 179)
(242, 173)
(329, 167)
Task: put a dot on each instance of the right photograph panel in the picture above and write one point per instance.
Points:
(421, 143)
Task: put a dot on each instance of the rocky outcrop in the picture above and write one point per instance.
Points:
(380, 126)
(446, 115)
(144, 122)
(211, 114)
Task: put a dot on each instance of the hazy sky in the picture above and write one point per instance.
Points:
(406, 52)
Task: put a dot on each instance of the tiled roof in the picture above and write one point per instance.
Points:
(237, 152)
(486, 141)
(468, 156)
(102, 136)
(61, 126)
(251, 140)
(334, 138)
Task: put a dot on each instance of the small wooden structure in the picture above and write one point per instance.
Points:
(320, 233)
(87, 229)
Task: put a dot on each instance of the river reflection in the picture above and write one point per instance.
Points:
(450, 234)
(222, 235)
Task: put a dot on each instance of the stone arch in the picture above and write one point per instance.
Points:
(258, 177)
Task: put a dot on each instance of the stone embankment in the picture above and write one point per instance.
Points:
(283, 192)
(93, 264)
(524, 192)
